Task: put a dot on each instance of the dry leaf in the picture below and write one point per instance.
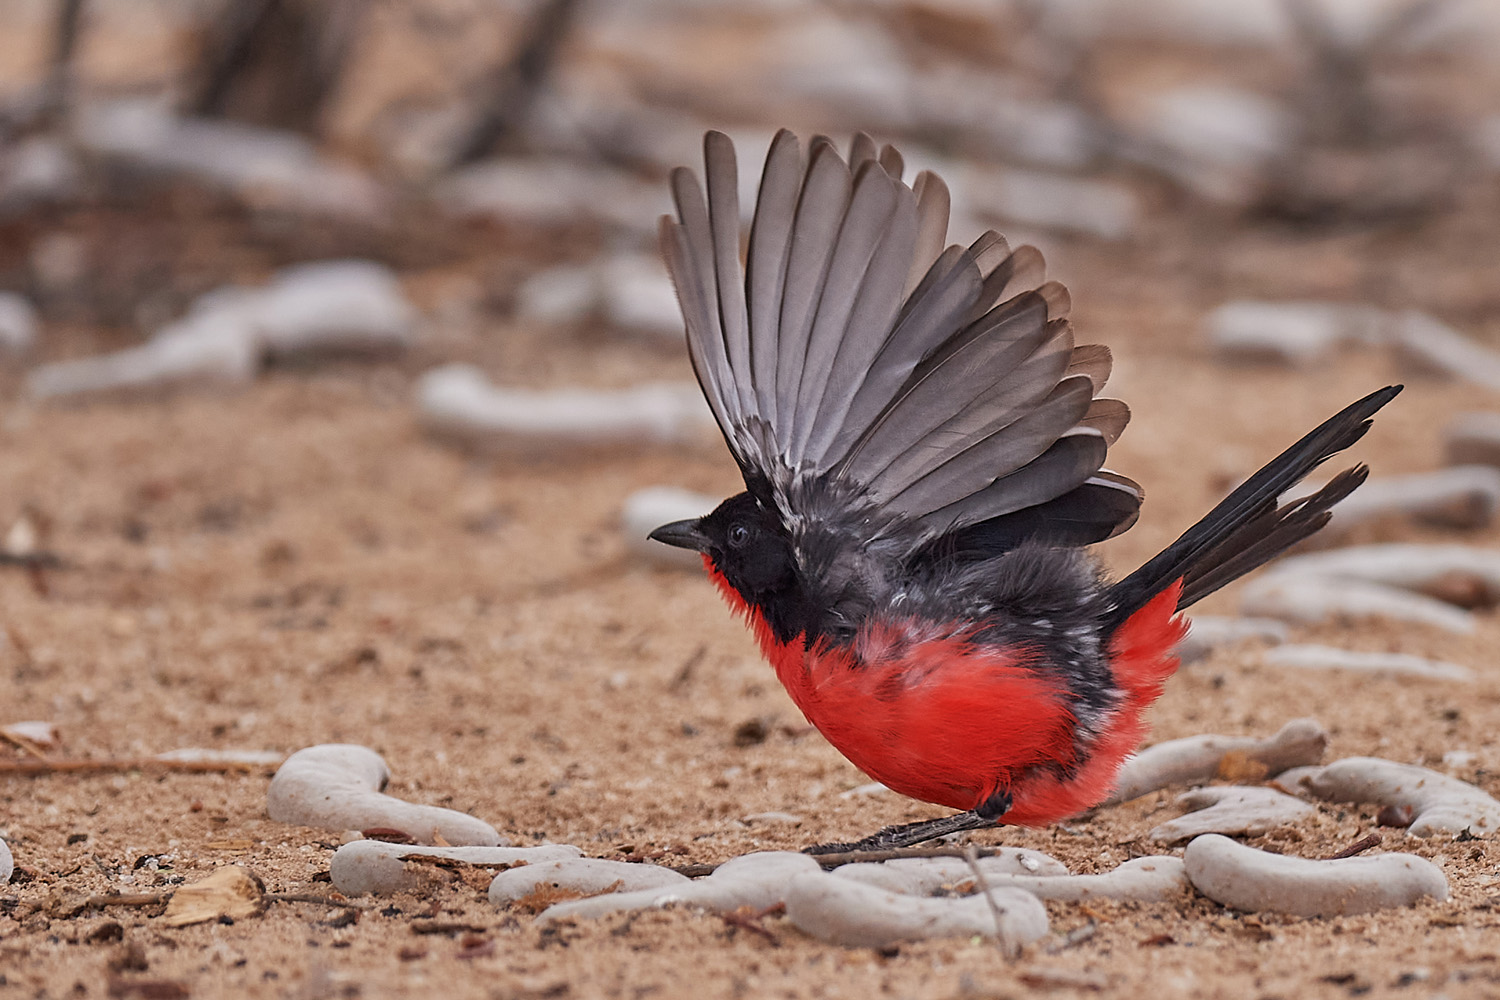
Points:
(230, 891)
(1239, 766)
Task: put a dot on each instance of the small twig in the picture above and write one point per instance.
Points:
(73, 765)
(129, 899)
(1358, 847)
(971, 855)
(749, 920)
(857, 857)
(308, 897)
(22, 742)
(1074, 937)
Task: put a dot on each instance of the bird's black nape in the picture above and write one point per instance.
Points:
(1247, 528)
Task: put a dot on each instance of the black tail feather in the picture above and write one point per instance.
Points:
(1248, 528)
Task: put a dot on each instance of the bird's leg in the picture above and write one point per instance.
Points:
(906, 834)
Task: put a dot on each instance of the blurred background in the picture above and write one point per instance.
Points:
(155, 150)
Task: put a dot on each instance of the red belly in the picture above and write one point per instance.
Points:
(941, 720)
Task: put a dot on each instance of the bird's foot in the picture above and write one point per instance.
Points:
(908, 834)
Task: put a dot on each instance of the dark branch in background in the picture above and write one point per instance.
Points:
(274, 62)
(513, 87)
(59, 86)
(1340, 99)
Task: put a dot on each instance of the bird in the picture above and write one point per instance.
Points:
(922, 444)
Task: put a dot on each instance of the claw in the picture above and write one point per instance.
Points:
(907, 834)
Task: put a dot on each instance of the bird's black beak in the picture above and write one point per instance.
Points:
(683, 534)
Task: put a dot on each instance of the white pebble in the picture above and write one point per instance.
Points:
(1216, 141)
(924, 876)
(586, 876)
(1415, 567)
(204, 350)
(559, 295)
(650, 508)
(1314, 657)
(1244, 878)
(1052, 202)
(755, 880)
(1435, 346)
(458, 401)
(1293, 333)
(1195, 759)
(1440, 804)
(337, 786)
(1230, 809)
(43, 734)
(551, 192)
(264, 167)
(377, 866)
(1465, 496)
(1208, 632)
(344, 306)
(7, 863)
(202, 755)
(1473, 439)
(637, 295)
(844, 912)
(1305, 598)
(18, 325)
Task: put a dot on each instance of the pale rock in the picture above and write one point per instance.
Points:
(457, 401)
(757, 880)
(647, 509)
(1208, 632)
(377, 866)
(1231, 810)
(1434, 346)
(1244, 878)
(585, 876)
(1194, 759)
(338, 786)
(845, 912)
(1441, 805)
(1307, 656)
(1293, 333)
(18, 323)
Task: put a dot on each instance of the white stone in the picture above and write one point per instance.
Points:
(924, 876)
(363, 866)
(647, 509)
(348, 306)
(553, 192)
(1216, 141)
(585, 876)
(1294, 333)
(1305, 598)
(845, 912)
(1435, 346)
(458, 401)
(1194, 759)
(1208, 632)
(337, 786)
(1244, 878)
(18, 323)
(210, 348)
(1307, 656)
(265, 167)
(1054, 202)
(757, 880)
(1231, 810)
(1441, 805)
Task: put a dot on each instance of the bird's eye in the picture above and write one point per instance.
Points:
(738, 536)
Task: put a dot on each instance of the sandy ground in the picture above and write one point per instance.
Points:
(296, 563)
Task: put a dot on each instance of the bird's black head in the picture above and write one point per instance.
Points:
(747, 543)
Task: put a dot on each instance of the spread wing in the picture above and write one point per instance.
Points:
(861, 369)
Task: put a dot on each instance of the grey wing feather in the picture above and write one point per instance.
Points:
(933, 389)
(765, 266)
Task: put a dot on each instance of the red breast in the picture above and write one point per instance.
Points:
(935, 717)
